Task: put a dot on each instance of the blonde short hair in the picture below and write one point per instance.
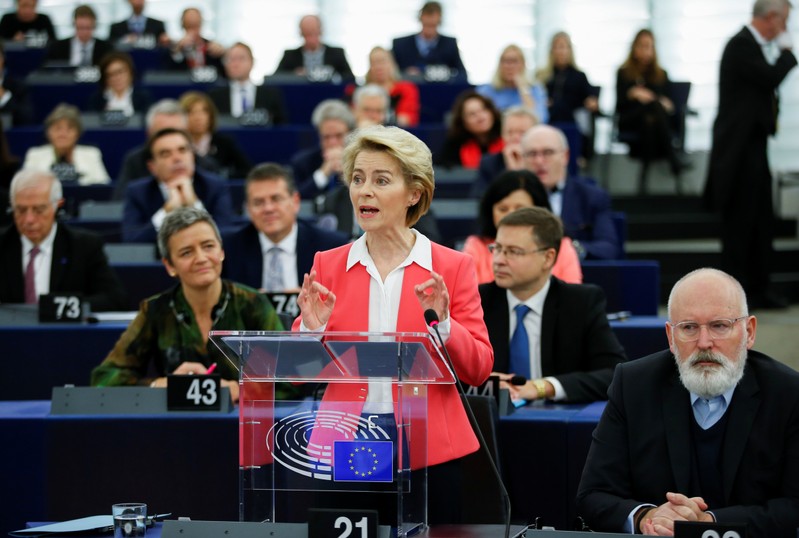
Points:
(412, 155)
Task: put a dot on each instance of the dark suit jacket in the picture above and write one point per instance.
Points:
(134, 166)
(141, 98)
(491, 166)
(642, 447)
(746, 114)
(225, 158)
(245, 262)
(143, 198)
(578, 347)
(303, 164)
(333, 56)
(79, 266)
(266, 97)
(586, 216)
(444, 53)
(60, 50)
(19, 106)
(120, 29)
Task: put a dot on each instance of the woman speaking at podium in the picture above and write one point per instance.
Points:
(385, 281)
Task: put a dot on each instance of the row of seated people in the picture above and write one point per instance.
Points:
(561, 95)
(561, 341)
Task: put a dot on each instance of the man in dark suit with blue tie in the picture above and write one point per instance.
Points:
(275, 249)
(415, 52)
(139, 30)
(582, 205)
(174, 183)
(554, 334)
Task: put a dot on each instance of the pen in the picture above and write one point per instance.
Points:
(210, 369)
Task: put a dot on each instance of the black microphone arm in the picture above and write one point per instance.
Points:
(431, 318)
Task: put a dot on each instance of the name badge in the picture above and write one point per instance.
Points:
(204, 74)
(193, 392)
(330, 523)
(437, 73)
(87, 74)
(58, 307)
(322, 73)
(258, 117)
(696, 529)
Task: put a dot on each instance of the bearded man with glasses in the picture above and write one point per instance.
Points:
(705, 431)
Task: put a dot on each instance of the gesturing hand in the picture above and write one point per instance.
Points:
(315, 301)
(433, 293)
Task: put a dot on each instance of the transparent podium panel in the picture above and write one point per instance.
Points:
(334, 421)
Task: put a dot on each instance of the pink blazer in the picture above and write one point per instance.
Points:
(450, 435)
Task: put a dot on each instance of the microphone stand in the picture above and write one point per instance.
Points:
(432, 322)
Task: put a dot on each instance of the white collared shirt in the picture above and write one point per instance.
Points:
(236, 88)
(770, 52)
(556, 198)
(43, 261)
(76, 50)
(124, 103)
(532, 324)
(288, 257)
(158, 217)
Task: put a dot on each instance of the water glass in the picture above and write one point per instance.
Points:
(129, 520)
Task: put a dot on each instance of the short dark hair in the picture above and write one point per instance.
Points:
(430, 8)
(84, 10)
(502, 186)
(546, 227)
(115, 56)
(162, 133)
(457, 129)
(271, 171)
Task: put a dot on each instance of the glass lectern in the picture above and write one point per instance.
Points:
(357, 437)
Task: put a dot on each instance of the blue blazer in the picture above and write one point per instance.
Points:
(587, 217)
(245, 260)
(444, 53)
(143, 198)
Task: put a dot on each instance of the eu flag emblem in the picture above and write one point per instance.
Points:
(363, 461)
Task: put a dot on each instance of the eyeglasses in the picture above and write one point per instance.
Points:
(547, 153)
(688, 331)
(512, 252)
(259, 203)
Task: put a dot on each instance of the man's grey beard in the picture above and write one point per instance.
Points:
(711, 381)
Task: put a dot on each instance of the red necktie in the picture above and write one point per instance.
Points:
(30, 278)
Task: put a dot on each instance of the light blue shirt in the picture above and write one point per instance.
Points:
(507, 97)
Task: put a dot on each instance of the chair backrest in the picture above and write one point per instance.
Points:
(101, 210)
(629, 285)
(678, 93)
(130, 252)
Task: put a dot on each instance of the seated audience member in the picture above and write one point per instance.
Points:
(404, 105)
(474, 131)
(707, 430)
(221, 152)
(315, 55)
(511, 85)
(26, 24)
(82, 49)
(276, 248)
(415, 52)
(9, 164)
(63, 156)
(643, 105)
(170, 332)
(166, 113)
(138, 30)
(14, 99)
(583, 206)
(240, 95)
(554, 334)
(41, 256)
(516, 120)
(510, 191)
(117, 89)
(192, 50)
(174, 183)
(370, 105)
(317, 170)
(568, 89)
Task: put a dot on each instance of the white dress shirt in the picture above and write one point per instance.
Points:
(288, 257)
(76, 50)
(236, 90)
(43, 261)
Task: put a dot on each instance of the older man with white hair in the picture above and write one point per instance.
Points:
(705, 431)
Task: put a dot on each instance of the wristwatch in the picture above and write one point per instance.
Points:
(541, 387)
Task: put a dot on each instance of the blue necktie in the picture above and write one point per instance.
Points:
(520, 344)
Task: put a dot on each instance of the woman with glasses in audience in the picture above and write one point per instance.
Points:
(70, 162)
(170, 332)
(474, 130)
(511, 85)
(116, 89)
(219, 150)
(510, 191)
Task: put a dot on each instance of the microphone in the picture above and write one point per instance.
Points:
(431, 318)
(517, 380)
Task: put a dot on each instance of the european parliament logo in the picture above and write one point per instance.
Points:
(363, 461)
